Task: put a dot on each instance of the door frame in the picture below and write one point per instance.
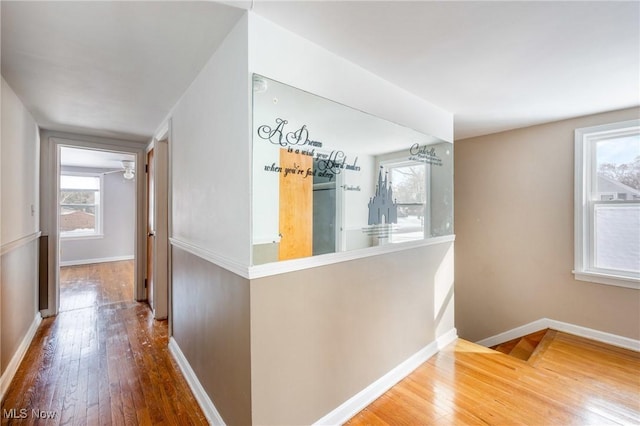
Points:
(161, 246)
(51, 187)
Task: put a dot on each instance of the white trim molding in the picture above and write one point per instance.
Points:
(589, 333)
(586, 202)
(276, 268)
(19, 354)
(286, 266)
(205, 254)
(8, 247)
(210, 411)
(98, 260)
(362, 399)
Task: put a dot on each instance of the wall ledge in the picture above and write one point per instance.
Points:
(209, 409)
(589, 333)
(205, 254)
(17, 357)
(362, 399)
(8, 247)
(276, 268)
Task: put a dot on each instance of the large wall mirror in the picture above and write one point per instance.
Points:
(328, 178)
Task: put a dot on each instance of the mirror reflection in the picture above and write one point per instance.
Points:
(328, 178)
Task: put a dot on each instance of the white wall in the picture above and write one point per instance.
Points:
(210, 155)
(20, 174)
(118, 225)
(286, 57)
(19, 211)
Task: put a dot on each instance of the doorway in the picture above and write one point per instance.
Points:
(96, 227)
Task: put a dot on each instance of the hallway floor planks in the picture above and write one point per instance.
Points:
(571, 381)
(104, 364)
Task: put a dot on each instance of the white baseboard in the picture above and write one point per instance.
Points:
(210, 411)
(99, 260)
(362, 399)
(589, 333)
(19, 354)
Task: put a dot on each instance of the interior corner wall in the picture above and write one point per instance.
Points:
(211, 193)
(319, 336)
(19, 212)
(514, 215)
(210, 156)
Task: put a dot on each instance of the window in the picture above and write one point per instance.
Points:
(607, 204)
(408, 181)
(80, 205)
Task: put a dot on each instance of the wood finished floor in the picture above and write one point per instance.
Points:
(106, 363)
(82, 286)
(567, 381)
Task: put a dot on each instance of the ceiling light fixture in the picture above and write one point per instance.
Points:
(129, 169)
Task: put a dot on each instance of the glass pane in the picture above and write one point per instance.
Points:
(77, 219)
(318, 186)
(78, 197)
(408, 183)
(618, 165)
(617, 237)
(80, 182)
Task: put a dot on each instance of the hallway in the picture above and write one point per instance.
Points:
(104, 360)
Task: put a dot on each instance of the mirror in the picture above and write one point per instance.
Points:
(329, 178)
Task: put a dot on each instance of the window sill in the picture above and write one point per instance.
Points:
(608, 279)
(81, 237)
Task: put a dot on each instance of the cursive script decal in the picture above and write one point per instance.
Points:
(277, 135)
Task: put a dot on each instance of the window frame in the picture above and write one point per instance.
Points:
(584, 207)
(393, 163)
(99, 209)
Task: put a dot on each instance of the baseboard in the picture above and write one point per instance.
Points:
(589, 333)
(12, 368)
(515, 333)
(210, 411)
(362, 399)
(98, 260)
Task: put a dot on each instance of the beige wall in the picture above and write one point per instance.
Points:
(321, 335)
(19, 303)
(211, 328)
(514, 235)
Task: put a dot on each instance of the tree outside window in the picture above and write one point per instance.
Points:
(80, 205)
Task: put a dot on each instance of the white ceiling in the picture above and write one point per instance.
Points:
(116, 68)
(78, 157)
(111, 68)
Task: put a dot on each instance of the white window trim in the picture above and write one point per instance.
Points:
(585, 139)
(391, 163)
(98, 234)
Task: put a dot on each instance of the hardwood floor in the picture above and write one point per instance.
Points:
(82, 286)
(569, 380)
(106, 363)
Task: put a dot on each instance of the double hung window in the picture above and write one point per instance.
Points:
(607, 204)
(80, 209)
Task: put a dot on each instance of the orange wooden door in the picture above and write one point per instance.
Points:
(296, 206)
(150, 226)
